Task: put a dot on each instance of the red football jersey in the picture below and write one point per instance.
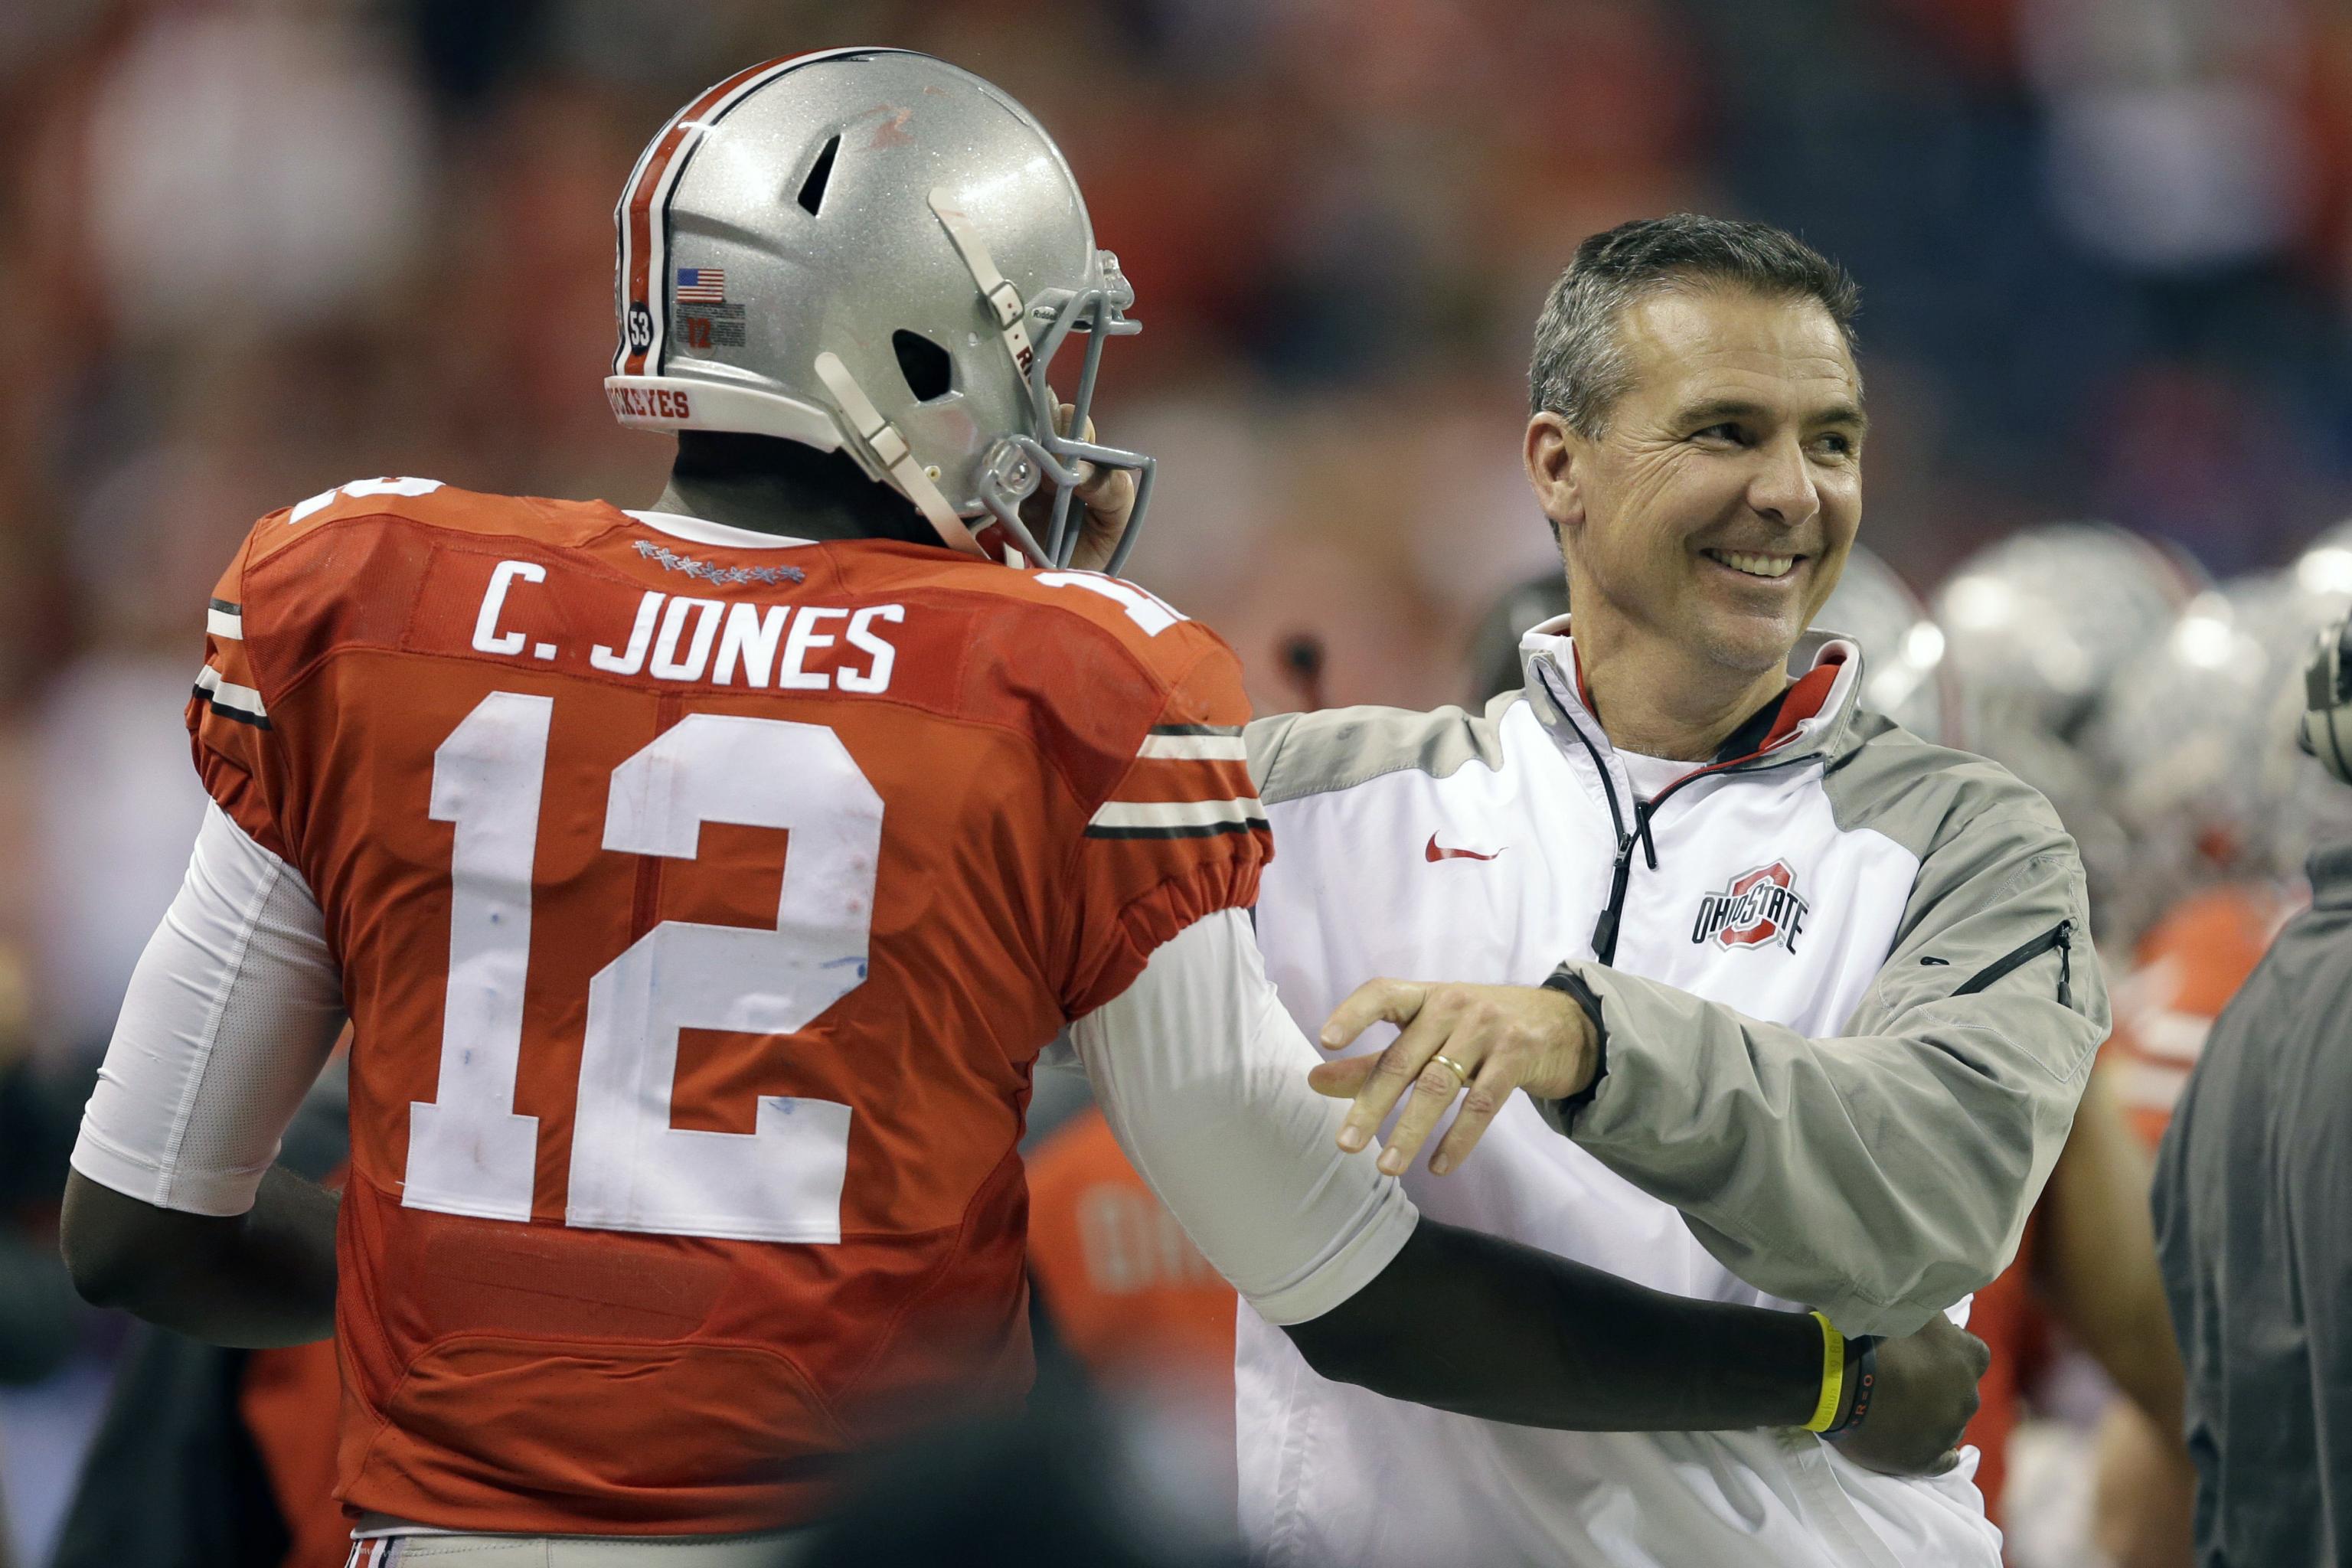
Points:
(702, 904)
(2184, 972)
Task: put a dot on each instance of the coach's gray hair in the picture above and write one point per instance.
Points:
(1579, 371)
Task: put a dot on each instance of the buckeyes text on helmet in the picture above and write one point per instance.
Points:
(872, 251)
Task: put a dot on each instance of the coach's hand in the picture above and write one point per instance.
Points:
(1488, 1040)
(1926, 1392)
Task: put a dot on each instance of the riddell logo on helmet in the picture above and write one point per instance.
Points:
(648, 403)
(1761, 907)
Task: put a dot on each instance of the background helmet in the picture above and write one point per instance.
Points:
(2037, 627)
(2038, 624)
(2183, 738)
(872, 251)
(1903, 666)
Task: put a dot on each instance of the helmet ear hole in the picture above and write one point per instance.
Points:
(929, 373)
(820, 174)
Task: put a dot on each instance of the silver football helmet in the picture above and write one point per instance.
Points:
(871, 250)
(2038, 623)
(2037, 627)
(1903, 665)
(2182, 739)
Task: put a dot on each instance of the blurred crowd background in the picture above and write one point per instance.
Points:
(251, 248)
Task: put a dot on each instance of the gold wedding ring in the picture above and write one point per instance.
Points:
(1459, 1070)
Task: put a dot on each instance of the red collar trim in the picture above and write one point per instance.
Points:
(1804, 699)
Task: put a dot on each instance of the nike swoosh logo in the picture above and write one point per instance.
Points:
(1436, 854)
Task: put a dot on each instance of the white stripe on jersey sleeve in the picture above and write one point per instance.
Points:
(1142, 814)
(230, 694)
(227, 624)
(1194, 748)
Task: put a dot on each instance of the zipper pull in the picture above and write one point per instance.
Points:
(1604, 930)
(2066, 964)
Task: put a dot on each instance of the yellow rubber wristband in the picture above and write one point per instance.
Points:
(1832, 1375)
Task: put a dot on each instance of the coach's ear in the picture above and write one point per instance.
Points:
(1551, 458)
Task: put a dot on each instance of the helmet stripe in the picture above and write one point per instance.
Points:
(644, 240)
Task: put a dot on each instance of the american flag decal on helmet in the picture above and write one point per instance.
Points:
(642, 219)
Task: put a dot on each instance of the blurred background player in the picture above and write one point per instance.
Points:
(2249, 1204)
(2164, 711)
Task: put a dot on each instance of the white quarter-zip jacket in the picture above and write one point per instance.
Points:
(1847, 1010)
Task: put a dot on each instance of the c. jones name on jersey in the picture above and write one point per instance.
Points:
(785, 648)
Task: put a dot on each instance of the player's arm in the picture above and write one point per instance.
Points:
(2096, 1263)
(263, 1278)
(173, 1209)
(1202, 1075)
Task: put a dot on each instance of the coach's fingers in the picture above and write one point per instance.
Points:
(1434, 1088)
(1340, 1080)
(1393, 1072)
(1489, 1090)
(1374, 1001)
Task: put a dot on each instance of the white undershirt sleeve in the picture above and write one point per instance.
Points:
(230, 1016)
(1202, 1076)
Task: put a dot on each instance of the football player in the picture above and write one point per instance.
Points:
(702, 883)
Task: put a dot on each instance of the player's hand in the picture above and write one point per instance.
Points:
(1926, 1392)
(1497, 1038)
(1106, 495)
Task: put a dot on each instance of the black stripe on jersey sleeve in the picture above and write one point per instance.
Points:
(1191, 830)
(1196, 729)
(258, 720)
(225, 608)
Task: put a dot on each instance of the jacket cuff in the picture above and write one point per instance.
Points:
(1561, 1113)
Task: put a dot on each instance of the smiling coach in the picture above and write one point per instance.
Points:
(1801, 1003)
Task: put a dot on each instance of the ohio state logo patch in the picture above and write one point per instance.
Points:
(1761, 907)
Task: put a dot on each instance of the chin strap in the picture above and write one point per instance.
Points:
(995, 289)
(882, 438)
(889, 448)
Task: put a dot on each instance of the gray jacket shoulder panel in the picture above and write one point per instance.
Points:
(1292, 756)
(1921, 795)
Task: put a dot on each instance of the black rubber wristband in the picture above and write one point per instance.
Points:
(1861, 1383)
(1569, 983)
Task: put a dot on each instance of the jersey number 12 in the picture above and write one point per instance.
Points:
(470, 1152)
